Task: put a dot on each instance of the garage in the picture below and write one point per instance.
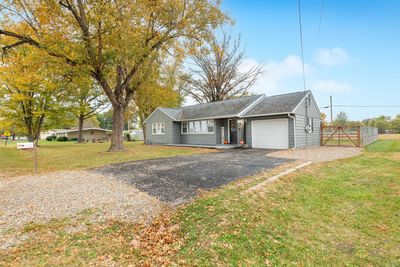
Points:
(271, 134)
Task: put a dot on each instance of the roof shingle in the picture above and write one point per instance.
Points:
(284, 103)
(276, 104)
(224, 108)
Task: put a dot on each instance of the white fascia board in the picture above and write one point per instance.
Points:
(162, 112)
(267, 114)
(293, 111)
(211, 118)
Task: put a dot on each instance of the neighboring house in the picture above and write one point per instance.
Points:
(54, 132)
(276, 122)
(135, 135)
(89, 134)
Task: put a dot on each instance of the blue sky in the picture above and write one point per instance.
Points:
(356, 58)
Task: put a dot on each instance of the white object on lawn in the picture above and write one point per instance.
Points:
(25, 145)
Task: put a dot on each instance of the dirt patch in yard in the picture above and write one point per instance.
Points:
(318, 154)
(26, 199)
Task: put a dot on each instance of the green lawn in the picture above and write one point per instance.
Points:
(344, 212)
(341, 213)
(54, 156)
(384, 146)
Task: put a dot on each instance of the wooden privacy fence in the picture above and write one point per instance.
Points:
(348, 135)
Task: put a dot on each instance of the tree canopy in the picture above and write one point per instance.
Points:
(112, 41)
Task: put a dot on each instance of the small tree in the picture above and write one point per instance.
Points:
(217, 73)
(323, 119)
(87, 99)
(341, 119)
(158, 91)
(29, 95)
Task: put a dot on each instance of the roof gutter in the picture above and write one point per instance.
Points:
(267, 114)
(294, 129)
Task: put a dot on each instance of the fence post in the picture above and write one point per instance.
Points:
(321, 137)
(358, 136)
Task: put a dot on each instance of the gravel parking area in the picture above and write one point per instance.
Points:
(317, 154)
(39, 198)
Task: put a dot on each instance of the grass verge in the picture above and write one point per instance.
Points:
(55, 156)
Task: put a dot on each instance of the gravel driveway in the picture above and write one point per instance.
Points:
(39, 198)
(318, 154)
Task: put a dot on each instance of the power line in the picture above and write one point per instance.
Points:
(366, 106)
(301, 44)
(359, 106)
(320, 19)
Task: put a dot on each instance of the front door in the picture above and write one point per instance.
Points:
(233, 131)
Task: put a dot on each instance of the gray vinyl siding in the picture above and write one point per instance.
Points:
(167, 137)
(312, 110)
(248, 126)
(304, 139)
(176, 132)
(291, 133)
(199, 139)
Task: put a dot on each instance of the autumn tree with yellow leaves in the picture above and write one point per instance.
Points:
(30, 94)
(111, 41)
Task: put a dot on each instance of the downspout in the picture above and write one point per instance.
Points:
(294, 129)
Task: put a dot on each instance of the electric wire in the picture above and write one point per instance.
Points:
(320, 20)
(301, 44)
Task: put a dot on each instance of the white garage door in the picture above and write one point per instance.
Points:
(270, 134)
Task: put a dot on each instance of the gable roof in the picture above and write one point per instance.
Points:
(249, 106)
(226, 108)
(277, 104)
(173, 113)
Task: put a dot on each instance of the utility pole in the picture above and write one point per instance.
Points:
(330, 106)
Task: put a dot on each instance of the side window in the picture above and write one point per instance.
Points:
(210, 126)
(312, 125)
(162, 129)
(184, 127)
(158, 128)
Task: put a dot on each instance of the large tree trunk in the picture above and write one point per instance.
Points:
(80, 128)
(144, 133)
(143, 128)
(117, 129)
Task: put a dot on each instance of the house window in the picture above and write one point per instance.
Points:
(198, 127)
(158, 128)
(310, 124)
(184, 127)
(210, 126)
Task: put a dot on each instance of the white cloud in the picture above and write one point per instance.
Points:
(330, 86)
(331, 56)
(287, 75)
(277, 75)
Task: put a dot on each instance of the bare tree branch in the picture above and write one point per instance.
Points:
(217, 75)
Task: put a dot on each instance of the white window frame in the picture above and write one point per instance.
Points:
(310, 122)
(159, 127)
(187, 127)
(191, 125)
